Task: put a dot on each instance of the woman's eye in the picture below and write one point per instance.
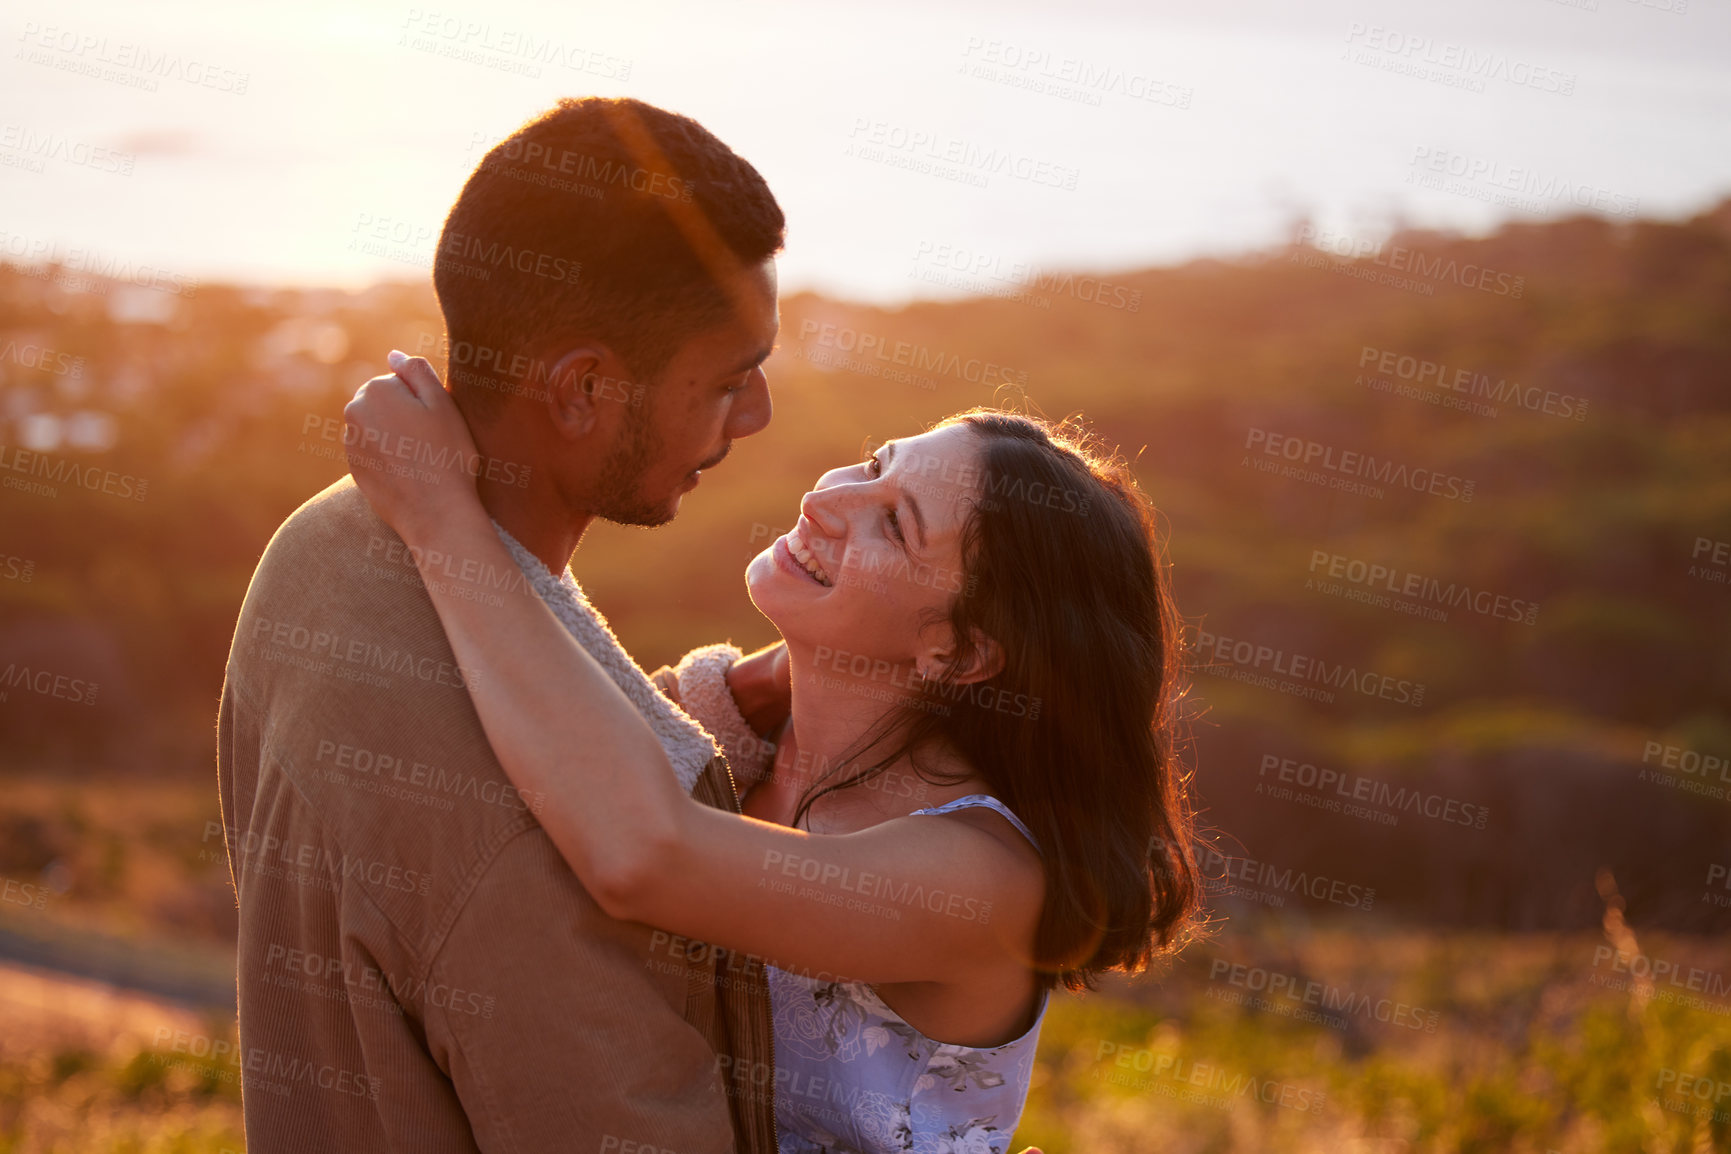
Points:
(875, 467)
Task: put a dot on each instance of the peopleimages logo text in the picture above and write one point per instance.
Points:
(1426, 57)
(1222, 870)
(1368, 789)
(920, 358)
(1351, 466)
(1225, 656)
(1400, 258)
(1434, 374)
(1455, 594)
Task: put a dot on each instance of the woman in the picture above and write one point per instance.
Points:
(979, 609)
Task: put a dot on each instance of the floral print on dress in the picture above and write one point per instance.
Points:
(826, 1025)
(975, 1136)
(881, 1123)
(952, 1066)
(851, 1077)
(884, 1124)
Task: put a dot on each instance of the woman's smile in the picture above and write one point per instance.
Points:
(791, 553)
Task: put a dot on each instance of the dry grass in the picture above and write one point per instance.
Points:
(1537, 1043)
(82, 1071)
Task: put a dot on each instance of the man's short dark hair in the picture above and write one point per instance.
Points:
(602, 218)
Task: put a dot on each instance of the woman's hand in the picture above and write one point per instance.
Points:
(762, 687)
(409, 449)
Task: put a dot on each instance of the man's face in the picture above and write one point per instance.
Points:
(712, 391)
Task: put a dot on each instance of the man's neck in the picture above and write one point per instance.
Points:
(542, 528)
(534, 513)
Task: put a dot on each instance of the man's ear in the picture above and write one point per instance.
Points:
(983, 659)
(571, 393)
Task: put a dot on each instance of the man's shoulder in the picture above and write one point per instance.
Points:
(336, 600)
(336, 555)
(358, 701)
(334, 521)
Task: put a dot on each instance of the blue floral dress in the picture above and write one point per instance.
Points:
(853, 1078)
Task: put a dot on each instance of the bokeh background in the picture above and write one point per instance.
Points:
(1414, 317)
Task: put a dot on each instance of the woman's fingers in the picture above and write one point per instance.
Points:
(418, 375)
(357, 416)
(409, 449)
(371, 403)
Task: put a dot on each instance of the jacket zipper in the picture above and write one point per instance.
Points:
(774, 1130)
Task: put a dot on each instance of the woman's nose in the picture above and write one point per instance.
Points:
(825, 507)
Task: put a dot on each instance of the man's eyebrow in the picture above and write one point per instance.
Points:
(756, 359)
(889, 451)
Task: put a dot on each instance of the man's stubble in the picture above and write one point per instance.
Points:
(621, 499)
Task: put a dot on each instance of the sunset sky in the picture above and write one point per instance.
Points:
(321, 143)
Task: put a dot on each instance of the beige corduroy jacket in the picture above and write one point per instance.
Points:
(419, 970)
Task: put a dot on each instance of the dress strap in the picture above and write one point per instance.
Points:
(974, 800)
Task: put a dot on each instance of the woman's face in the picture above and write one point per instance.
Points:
(875, 553)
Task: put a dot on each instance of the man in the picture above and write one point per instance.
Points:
(418, 968)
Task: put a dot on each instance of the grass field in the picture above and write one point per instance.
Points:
(1490, 1044)
(1275, 1034)
(1434, 1042)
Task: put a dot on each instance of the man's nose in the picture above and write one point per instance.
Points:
(752, 408)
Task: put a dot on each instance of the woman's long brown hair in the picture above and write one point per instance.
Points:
(1078, 732)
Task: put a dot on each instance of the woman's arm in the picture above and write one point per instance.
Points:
(915, 899)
